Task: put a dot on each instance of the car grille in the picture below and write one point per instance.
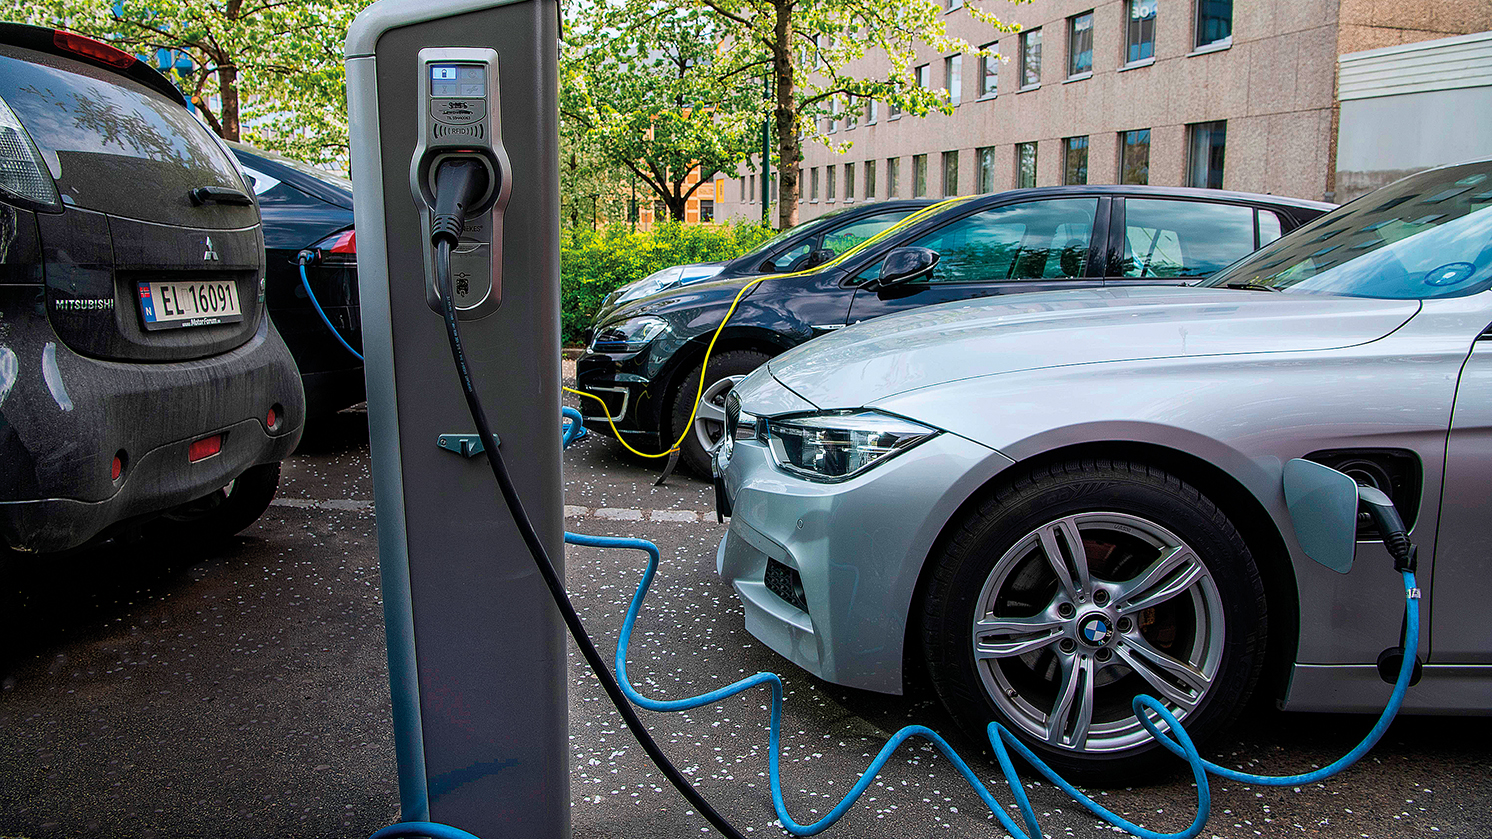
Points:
(732, 412)
(786, 583)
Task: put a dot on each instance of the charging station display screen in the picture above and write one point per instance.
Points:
(458, 80)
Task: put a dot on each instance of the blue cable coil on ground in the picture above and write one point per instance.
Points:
(1172, 737)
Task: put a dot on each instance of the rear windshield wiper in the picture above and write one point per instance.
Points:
(1251, 286)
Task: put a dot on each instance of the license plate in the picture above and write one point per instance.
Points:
(171, 305)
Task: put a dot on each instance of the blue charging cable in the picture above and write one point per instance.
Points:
(303, 259)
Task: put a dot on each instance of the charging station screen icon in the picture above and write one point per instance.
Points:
(458, 80)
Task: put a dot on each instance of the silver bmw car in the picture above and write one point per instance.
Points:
(1049, 503)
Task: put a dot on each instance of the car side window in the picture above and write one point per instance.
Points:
(1029, 241)
(1169, 239)
(785, 260)
(1270, 227)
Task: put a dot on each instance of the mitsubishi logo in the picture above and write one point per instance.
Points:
(210, 255)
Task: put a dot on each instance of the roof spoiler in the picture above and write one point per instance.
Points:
(97, 53)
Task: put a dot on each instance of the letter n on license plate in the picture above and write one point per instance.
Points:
(172, 305)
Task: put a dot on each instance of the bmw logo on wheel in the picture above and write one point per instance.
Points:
(1096, 631)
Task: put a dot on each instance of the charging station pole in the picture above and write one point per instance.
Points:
(476, 648)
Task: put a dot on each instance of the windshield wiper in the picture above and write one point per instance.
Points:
(1251, 287)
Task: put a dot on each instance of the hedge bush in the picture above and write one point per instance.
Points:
(593, 263)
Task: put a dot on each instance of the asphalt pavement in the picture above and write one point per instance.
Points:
(165, 689)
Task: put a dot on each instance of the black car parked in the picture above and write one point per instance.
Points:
(139, 375)
(798, 248)
(645, 357)
(308, 211)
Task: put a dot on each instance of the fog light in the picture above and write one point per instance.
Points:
(117, 467)
(205, 448)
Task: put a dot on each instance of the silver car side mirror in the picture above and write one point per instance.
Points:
(1323, 507)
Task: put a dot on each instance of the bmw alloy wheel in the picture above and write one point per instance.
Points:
(1087, 611)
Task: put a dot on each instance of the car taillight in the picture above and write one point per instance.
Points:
(92, 50)
(205, 448)
(21, 172)
(338, 247)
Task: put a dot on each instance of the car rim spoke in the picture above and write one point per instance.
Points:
(1003, 637)
(1074, 697)
(1176, 571)
(709, 414)
(1160, 669)
(1063, 547)
(709, 411)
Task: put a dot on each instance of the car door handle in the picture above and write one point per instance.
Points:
(219, 195)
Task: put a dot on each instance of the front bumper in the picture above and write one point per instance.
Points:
(858, 548)
(68, 415)
(625, 386)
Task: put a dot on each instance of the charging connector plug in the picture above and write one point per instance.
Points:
(459, 185)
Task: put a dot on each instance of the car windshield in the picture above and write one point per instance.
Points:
(756, 253)
(1429, 235)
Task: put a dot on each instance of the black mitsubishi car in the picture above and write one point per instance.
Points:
(645, 355)
(141, 382)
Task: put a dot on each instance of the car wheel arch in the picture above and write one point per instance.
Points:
(1249, 514)
(684, 360)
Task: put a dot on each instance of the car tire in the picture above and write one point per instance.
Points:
(226, 512)
(1173, 607)
(724, 370)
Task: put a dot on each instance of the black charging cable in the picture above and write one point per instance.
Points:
(458, 185)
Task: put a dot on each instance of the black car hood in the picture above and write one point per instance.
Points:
(693, 300)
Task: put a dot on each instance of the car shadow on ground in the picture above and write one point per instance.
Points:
(338, 433)
(75, 597)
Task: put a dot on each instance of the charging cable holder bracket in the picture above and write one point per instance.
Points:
(466, 445)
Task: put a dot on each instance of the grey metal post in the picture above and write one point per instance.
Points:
(476, 650)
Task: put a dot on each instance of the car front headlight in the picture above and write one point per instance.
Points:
(628, 335)
(837, 445)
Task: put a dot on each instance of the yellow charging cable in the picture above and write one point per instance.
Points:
(704, 365)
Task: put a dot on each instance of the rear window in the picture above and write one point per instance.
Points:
(1426, 236)
(112, 144)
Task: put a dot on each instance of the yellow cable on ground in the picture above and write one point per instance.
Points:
(704, 365)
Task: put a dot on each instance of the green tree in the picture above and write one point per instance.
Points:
(639, 81)
(806, 47)
(266, 71)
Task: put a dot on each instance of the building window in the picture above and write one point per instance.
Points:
(870, 179)
(1025, 165)
(829, 172)
(849, 182)
(893, 177)
(955, 4)
(919, 176)
(800, 186)
(872, 110)
(953, 78)
(1080, 45)
(986, 159)
(1205, 163)
(893, 111)
(924, 76)
(989, 73)
(950, 174)
(1075, 160)
(744, 193)
(772, 182)
(1214, 22)
(1139, 31)
(1134, 157)
(833, 116)
(706, 210)
(813, 184)
(1030, 58)
(751, 195)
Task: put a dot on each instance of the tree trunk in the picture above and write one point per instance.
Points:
(789, 147)
(228, 90)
